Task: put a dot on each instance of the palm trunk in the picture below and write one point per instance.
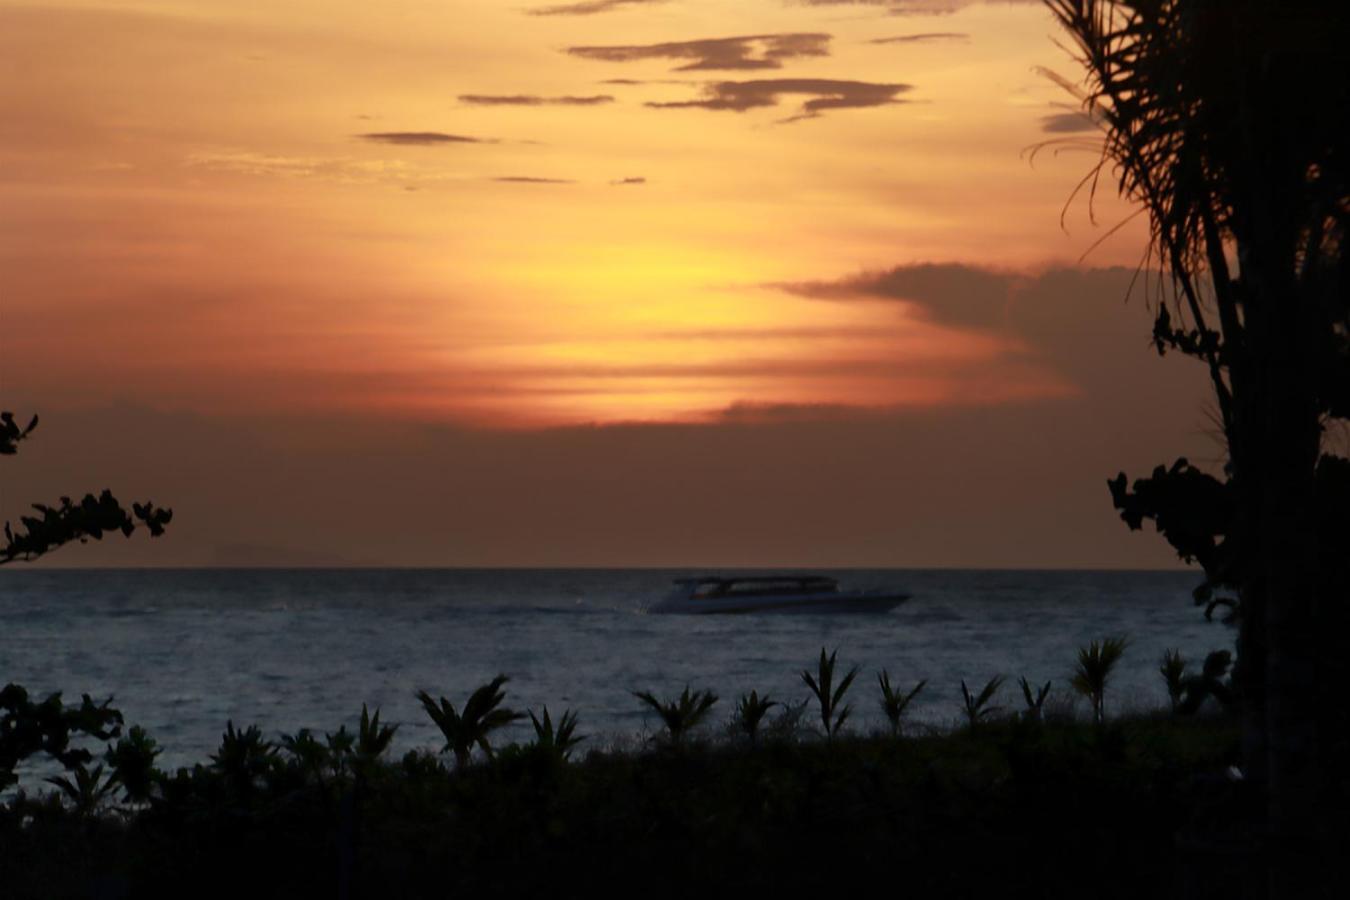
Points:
(1275, 451)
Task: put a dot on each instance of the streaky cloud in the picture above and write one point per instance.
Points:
(922, 38)
(531, 179)
(637, 179)
(824, 93)
(420, 138)
(752, 51)
(533, 100)
(588, 7)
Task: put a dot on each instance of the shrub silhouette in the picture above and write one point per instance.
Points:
(1173, 671)
(28, 728)
(976, 706)
(482, 715)
(133, 764)
(894, 702)
(829, 697)
(558, 742)
(1093, 670)
(750, 711)
(681, 715)
(1035, 701)
(85, 788)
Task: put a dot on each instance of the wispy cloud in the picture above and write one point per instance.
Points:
(631, 180)
(588, 7)
(420, 138)
(531, 179)
(825, 94)
(922, 38)
(271, 165)
(533, 100)
(754, 51)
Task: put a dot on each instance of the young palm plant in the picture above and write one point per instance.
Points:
(976, 706)
(682, 714)
(308, 755)
(832, 714)
(86, 790)
(894, 702)
(556, 742)
(1093, 670)
(1035, 699)
(244, 758)
(1173, 671)
(482, 715)
(750, 712)
(371, 742)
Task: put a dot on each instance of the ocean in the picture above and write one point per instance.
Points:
(184, 651)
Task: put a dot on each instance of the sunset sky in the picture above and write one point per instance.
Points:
(619, 282)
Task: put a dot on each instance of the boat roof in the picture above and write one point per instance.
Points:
(759, 579)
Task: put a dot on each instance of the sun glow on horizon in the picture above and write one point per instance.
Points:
(441, 213)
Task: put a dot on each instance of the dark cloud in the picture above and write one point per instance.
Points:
(1075, 319)
(419, 138)
(949, 293)
(922, 38)
(637, 179)
(826, 94)
(755, 51)
(1067, 123)
(531, 179)
(588, 7)
(533, 100)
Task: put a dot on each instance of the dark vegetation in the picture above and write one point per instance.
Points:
(1038, 801)
(1225, 121)
(67, 520)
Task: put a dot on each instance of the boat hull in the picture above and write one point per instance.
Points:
(853, 602)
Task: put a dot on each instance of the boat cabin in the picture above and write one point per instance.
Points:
(757, 586)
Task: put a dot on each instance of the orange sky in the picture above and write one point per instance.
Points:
(474, 214)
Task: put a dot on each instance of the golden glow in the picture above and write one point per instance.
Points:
(188, 219)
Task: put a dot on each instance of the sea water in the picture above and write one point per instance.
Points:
(184, 651)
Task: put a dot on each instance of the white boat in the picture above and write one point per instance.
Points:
(773, 594)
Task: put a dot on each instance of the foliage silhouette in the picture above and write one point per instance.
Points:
(372, 738)
(482, 715)
(1210, 682)
(244, 759)
(741, 818)
(556, 742)
(1093, 670)
(28, 728)
(751, 709)
(894, 702)
(89, 519)
(681, 715)
(132, 761)
(1173, 670)
(1225, 122)
(828, 696)
(1035, 701)
(976, 706)
(87, 789)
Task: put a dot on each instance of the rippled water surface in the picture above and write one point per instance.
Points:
(185, 650)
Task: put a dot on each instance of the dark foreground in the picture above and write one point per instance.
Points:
(1139, 808)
